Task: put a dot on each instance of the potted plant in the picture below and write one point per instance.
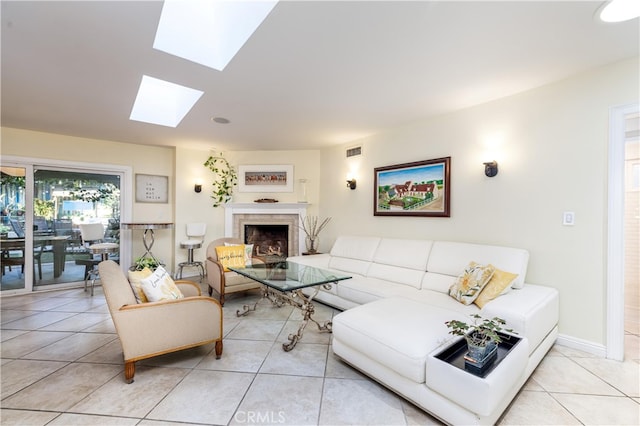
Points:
(482, 336)
(224, 181)
(145, 262)
(312, 226)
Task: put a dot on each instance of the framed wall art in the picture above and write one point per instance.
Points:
(152, 189)
(421, 188)
(265, 178)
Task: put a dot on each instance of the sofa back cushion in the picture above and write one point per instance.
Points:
(447, 261)
(353, 254)
(401, 261)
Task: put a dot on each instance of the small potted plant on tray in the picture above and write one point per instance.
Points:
(482, 336)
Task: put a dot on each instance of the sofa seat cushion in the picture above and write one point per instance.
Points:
(364, 290)
(396, 274)
(444, 301)
(477, 394)
(532, 312)
(232, 279)
(396, 332)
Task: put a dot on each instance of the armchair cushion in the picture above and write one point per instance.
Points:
(135, 279)
(160, 286)
(231, 256)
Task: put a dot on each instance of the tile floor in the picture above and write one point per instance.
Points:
(61, 364)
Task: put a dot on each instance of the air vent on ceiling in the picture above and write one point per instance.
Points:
(352, 152)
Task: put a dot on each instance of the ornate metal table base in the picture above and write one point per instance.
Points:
(297, 299)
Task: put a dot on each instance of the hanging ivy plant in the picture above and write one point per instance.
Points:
(225, 178)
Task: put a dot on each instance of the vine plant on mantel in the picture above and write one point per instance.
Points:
(225, 178)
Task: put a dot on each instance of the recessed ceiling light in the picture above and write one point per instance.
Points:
(620, 10)
(161, 102)
(221, 120)
(209, 33)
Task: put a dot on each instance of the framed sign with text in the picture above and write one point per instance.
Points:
(152, 189)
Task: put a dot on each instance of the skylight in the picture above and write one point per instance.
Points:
(163, 103)
(620, 10)
(208, 32)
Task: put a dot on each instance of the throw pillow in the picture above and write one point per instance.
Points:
(469, 285)
(248, 252)
(231, 256)
(160, 286)
(499, 284)
(135, 280)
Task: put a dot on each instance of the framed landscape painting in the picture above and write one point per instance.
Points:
(421, 188)
(265, 178)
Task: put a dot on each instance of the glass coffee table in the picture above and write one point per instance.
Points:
(282, 283)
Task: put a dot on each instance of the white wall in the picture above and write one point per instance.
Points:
(551, 146)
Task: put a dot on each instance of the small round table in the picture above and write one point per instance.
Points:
(103, 249)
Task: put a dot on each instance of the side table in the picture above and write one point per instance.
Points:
(148, 237)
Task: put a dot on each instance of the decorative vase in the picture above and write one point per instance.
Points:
(312, 244)
(302, 191)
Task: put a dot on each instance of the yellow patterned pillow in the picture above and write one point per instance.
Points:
(248, 252)
(498, 284)
(160, 286)
(231, 256)
(135, 278)
(469, 285)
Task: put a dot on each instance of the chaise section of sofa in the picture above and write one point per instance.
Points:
(395, 307)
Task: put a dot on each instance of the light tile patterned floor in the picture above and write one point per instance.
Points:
(61, 364)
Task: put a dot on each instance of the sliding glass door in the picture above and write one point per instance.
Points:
(63, 201)
(43, 208)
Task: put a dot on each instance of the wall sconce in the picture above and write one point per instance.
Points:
(351, 183)
(197, 187)
(490, 168)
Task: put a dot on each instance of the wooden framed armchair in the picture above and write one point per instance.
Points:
(225, 282)
(155, 328)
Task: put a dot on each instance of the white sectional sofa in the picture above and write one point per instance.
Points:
(395, 306)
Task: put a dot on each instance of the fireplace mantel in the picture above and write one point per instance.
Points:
(269, 209)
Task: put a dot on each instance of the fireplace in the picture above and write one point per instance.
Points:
(276, 225)
(268, 240)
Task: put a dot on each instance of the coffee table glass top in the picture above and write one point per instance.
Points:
(289, 276)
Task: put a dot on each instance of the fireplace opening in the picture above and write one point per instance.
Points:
(269, 241)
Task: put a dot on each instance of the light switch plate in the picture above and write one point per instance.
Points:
(568, 218)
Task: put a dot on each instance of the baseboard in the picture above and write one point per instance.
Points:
(582, 345)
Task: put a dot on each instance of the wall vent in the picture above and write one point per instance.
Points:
(352, 152)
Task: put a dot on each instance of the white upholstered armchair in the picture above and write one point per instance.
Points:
(225, 282)
(155, 328)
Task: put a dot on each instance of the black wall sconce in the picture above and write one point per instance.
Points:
(490, 168)
(351, 183)
(197, 187)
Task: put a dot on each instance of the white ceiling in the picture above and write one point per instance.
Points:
(313, 74)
